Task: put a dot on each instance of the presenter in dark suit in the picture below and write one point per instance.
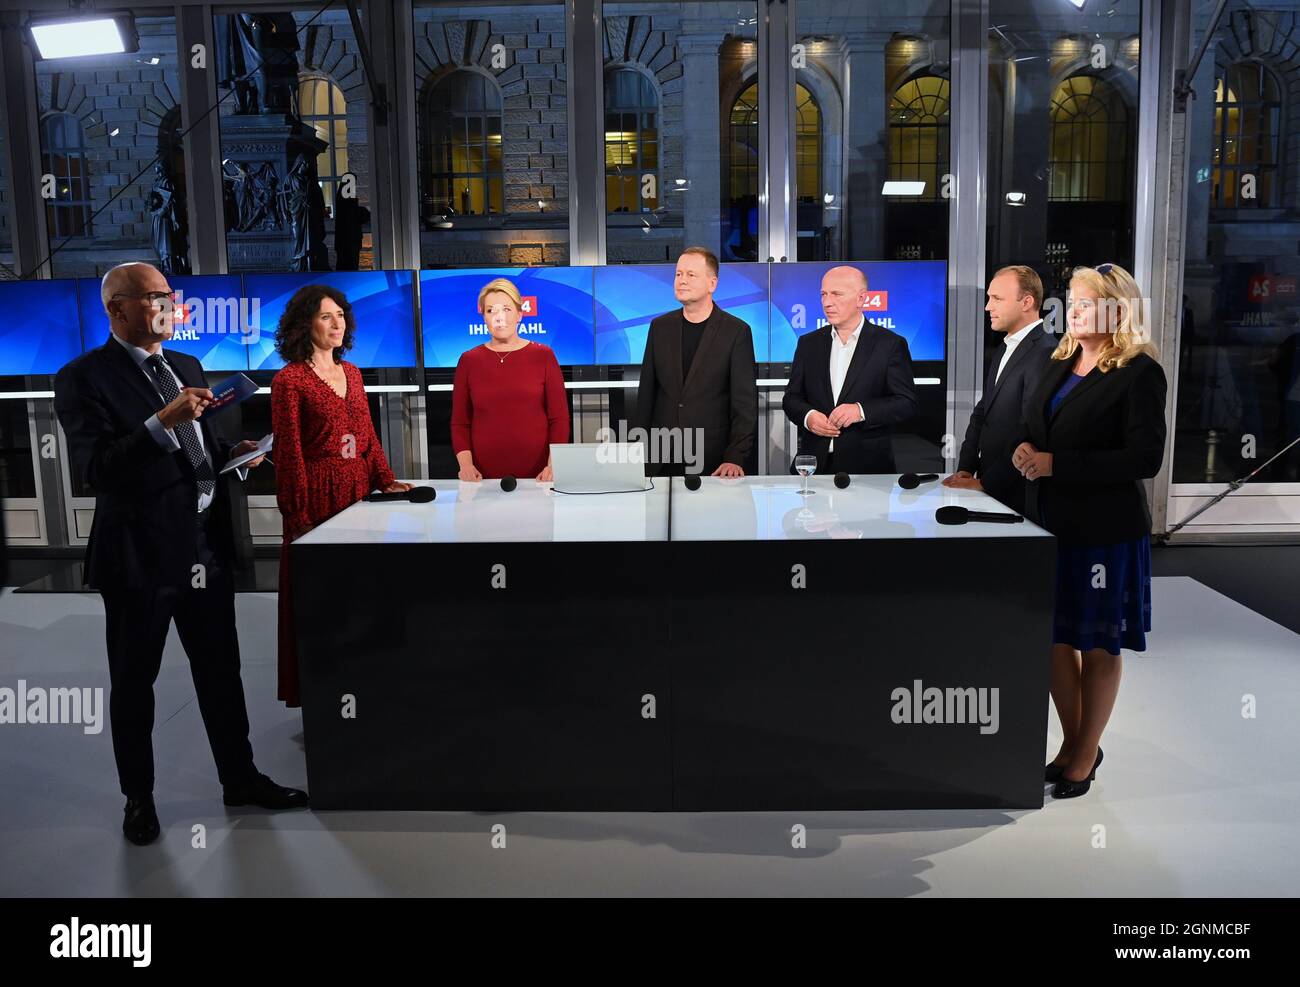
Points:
(850, 383)
(1015, 296)
(161, 545)
(1095, 429)
(698, 374)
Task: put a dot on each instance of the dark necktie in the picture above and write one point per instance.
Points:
(998, 354)
(185, 430)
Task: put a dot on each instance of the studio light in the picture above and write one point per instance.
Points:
(72, 36)
(1078, 4)
(1015, 198)
(902, 188)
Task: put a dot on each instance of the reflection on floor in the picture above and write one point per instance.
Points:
(1193, 798)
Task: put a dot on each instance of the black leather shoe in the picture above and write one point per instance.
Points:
(266, 794)
(1055, 772)
(1067, 789)
(140, 822)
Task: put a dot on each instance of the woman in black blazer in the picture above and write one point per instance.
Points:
(1094, 430)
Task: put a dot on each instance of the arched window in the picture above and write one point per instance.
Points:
(1089, 158)
(631, 142)
(743, 159)
(465, 123)
(64, 156)
(918, 133)
(321, 105)
(807, 144)
(1247, 119)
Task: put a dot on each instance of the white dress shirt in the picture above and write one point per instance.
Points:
(163, 435)
(1012, 341)
(841, 357)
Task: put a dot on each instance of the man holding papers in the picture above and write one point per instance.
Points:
(161, 545)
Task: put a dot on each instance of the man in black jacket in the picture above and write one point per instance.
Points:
(698, 375)
(850, 384)
(161, 545)
(1015, 296)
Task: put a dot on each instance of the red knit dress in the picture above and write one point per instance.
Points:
(507, 409)
(327, 457)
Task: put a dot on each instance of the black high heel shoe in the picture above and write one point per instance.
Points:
(1055, 772)
(1067, 789)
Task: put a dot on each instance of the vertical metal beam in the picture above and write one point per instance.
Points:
(1149, 108)
(202, 144)
(584, 28)
(776, 132)
(967, 215)
(22, 149)
(394, 194)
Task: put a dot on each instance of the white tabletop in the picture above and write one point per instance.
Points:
(484, 513)
(771, 508)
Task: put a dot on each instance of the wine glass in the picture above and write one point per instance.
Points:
(805, 466)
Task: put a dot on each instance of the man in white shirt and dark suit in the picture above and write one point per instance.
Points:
(850, 383)
(1015, 296)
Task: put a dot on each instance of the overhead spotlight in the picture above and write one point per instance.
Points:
(828, 198)
(74, 35)
(902, 188)
(1078, 4)
(680, 185)
(1015, 198)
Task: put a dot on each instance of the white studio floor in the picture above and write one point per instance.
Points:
(1193, 798)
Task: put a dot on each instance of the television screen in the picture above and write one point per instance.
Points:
(215, 330)
(907, 296)
(629, 296)
(557, 311)
(383, 307)
(40, 331)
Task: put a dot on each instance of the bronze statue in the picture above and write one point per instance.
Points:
(170, 240)
(256, 57)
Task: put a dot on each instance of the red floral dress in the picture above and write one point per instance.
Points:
(327, 457)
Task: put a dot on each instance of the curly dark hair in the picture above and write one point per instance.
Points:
(293, 333)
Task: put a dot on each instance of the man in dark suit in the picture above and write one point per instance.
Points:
(1015, 296)
(850, 384)
(161, 545)
(698, 375)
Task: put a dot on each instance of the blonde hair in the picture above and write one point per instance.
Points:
(505, 287)
(1116, 288)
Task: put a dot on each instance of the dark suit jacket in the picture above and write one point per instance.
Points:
(1107, 436)
(719, 395)
(997, 421)
(145, 497)
(879, 378)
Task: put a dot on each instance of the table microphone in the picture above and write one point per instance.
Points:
(841, 480)
(416, 495)
(508, 483)
(910, 481)
(692, 481)
(960, 515)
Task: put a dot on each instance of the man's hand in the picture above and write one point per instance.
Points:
(245, 447)
(819, 424)
(186, 407)
(845, 415)
(963, 480)
(728, 470)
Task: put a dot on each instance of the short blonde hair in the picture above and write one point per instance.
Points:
(1114, 287)
(506, 287)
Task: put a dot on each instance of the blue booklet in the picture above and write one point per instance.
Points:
(232, 390)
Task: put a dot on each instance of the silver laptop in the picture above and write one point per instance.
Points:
(598, 467)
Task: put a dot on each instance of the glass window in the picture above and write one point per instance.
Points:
(106, 147)
(681, 130)
(871, 112)
(1063, 118)
(492, 97)
(270, 68)
(1238, 397)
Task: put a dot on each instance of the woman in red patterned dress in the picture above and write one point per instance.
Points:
(327, 455)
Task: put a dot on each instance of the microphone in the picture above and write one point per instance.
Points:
(692, 481)
(416, 495)
(508, 483)
(910, 481)
(960, 515)
(841, 480)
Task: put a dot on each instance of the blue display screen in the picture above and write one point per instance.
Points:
(40, 331)
(214, 331)
(383, 307)
(557, 311)
(905, 296)
(629, 296)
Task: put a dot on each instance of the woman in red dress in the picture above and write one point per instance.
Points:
(327, 456)
(507, 403)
